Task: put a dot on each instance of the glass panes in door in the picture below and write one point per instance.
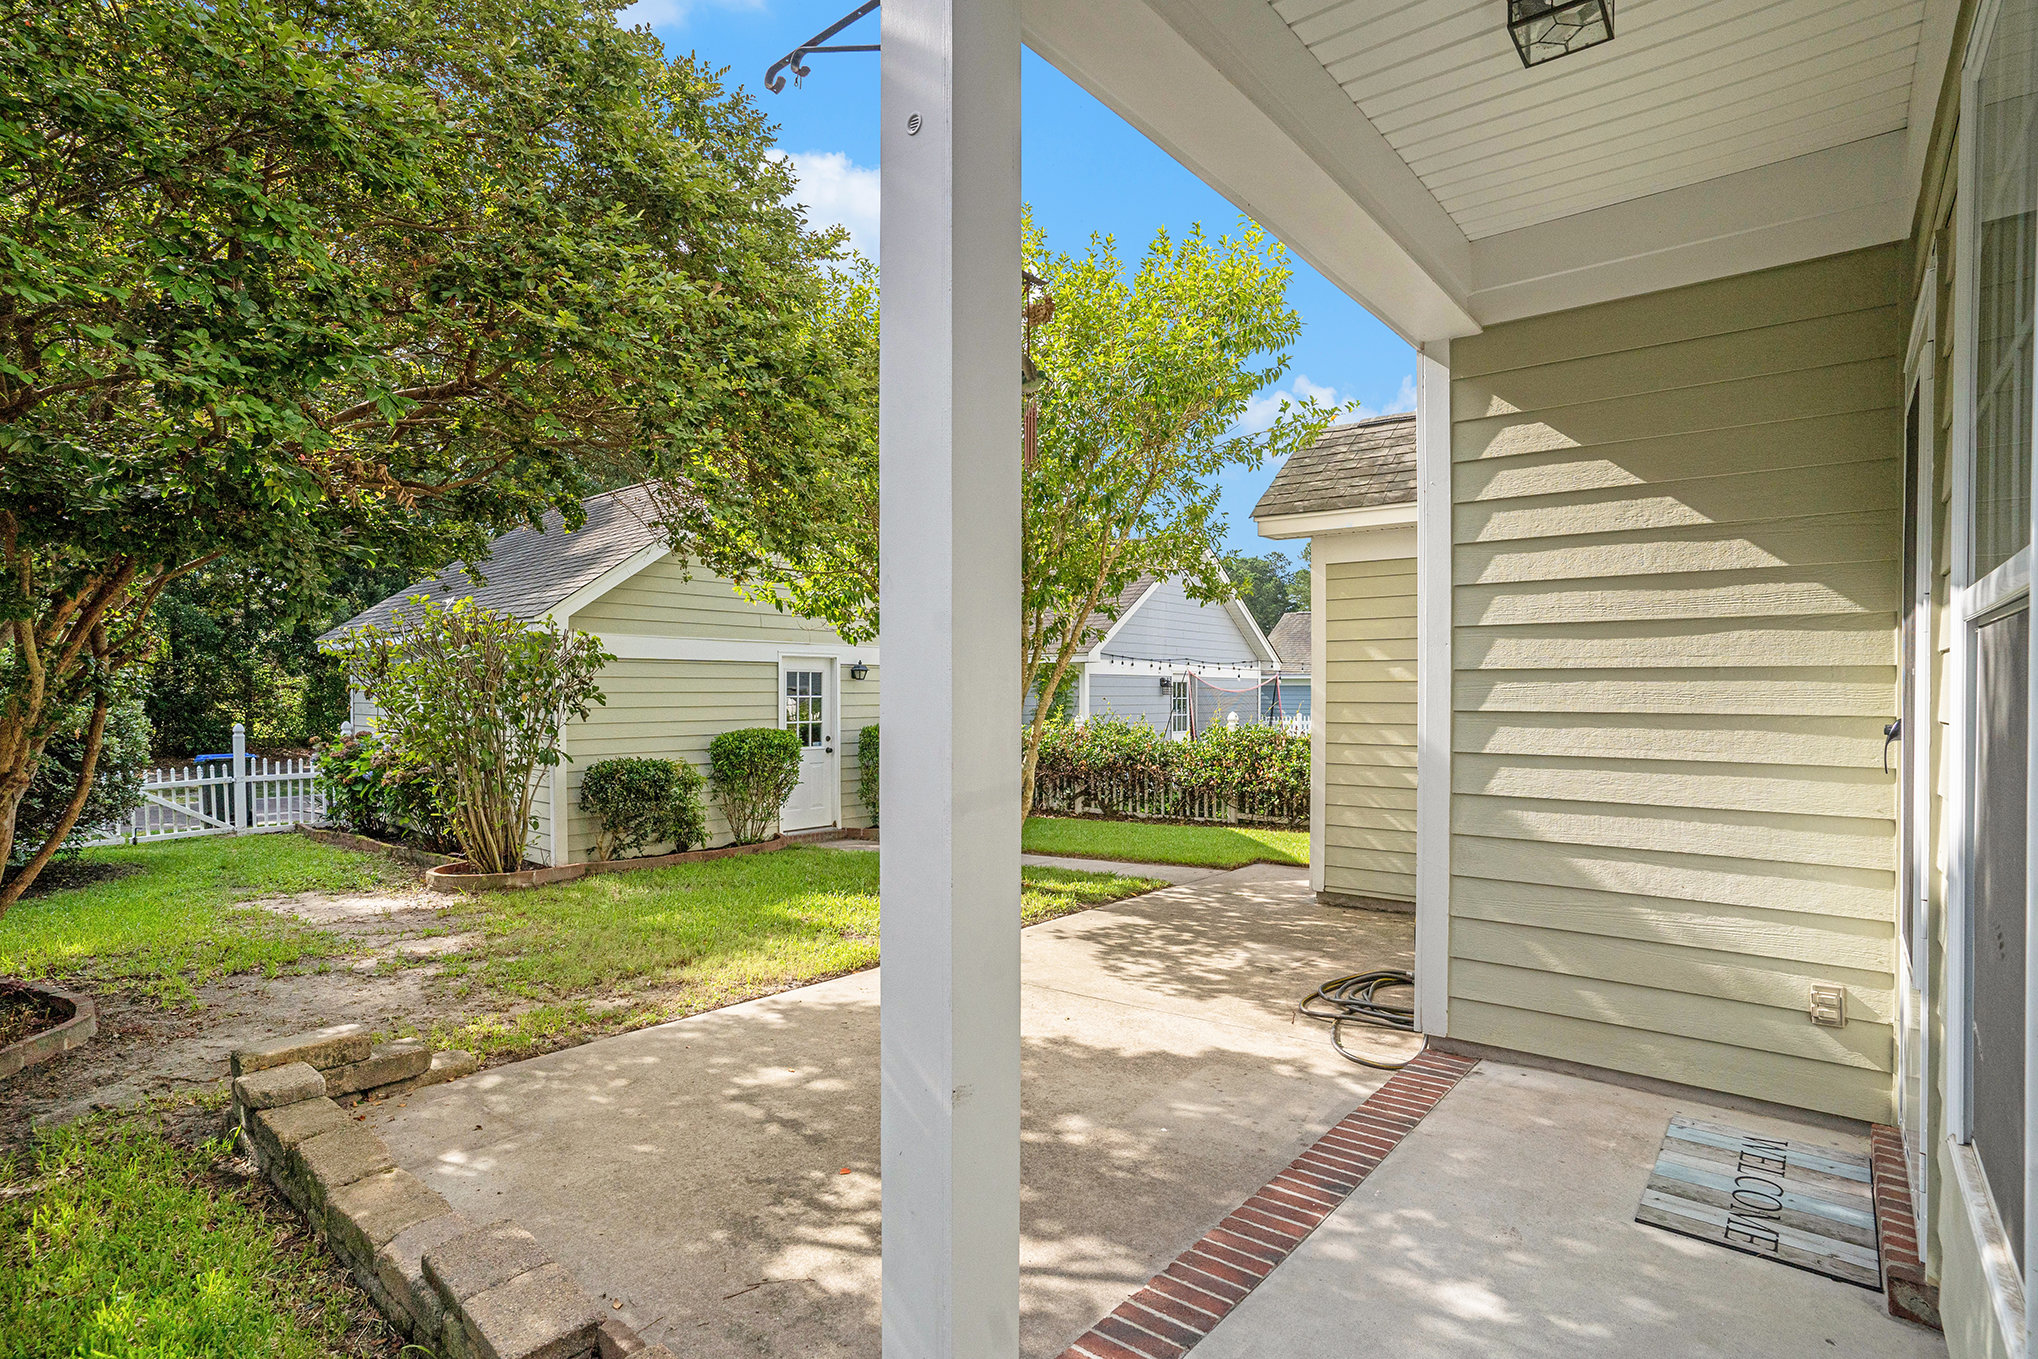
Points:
(804, 698)
(2006, 251)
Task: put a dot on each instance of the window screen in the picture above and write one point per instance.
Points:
(2002, 718)
(2006, 193)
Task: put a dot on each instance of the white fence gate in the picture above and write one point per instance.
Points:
(234, 795)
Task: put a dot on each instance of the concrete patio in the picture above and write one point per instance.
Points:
(716, 1175)
(714, 1178)
(1504, 1226)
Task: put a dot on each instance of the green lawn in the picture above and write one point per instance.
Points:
(700, 935)
(178, 922)
(1149, 842)
(118, 1243)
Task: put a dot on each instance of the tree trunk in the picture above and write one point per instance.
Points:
(95, 741)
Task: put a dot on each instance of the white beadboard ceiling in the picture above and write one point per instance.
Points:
(1688, 90)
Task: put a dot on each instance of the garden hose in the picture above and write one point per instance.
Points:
(1355, 1000)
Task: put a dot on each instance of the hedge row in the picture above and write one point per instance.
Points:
(1131, 769)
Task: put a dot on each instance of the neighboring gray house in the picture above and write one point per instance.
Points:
(1287, 699)
(1165, 659)
(693, 658)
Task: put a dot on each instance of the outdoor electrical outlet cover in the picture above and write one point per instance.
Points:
(1829, 1006)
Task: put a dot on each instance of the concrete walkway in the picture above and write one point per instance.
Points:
(717, 1175)
(1503, 1227)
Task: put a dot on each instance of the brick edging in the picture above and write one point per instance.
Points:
(1184, 1302)
(1905, 1289)
(80, 1024)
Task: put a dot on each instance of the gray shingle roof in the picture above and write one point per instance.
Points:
(1290, 640)
(528, 572)
(1355, 466)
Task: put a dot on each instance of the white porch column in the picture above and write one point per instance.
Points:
(949, 485)
(1433, 685)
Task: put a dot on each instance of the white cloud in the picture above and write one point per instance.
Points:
(1265, 408)
(1404, 399)
(673, 13)
(836, 191)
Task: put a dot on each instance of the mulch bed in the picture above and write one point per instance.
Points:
(24, 1014)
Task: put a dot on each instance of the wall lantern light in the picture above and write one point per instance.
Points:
(859, 671)
(1167, 685)
(1544, 30)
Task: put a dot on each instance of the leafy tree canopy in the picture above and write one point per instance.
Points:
(1148, 372)
(1270, 584)
(366, 280)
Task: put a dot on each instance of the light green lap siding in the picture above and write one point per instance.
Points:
(858, 710)
(1368, 708)
(1674, 585)
(660, 601)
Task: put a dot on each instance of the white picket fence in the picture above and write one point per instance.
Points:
(238, 794)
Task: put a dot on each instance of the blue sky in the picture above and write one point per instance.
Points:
(1085, 170)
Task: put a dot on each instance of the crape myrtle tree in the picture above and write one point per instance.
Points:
(363, 281)
(1148, 374)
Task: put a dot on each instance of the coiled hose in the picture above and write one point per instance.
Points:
(1355, 1000)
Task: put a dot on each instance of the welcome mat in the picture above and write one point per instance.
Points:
(1800, 1203)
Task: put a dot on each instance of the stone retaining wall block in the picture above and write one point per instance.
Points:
(400, 1272)
(273, 1087)
(540, 1314)
(275, 1133)
(476, 1261)
(335, 1159)
(385, 1064)
(321, 1048)
(449, 1065)
(362, 1217)
(615, 1340)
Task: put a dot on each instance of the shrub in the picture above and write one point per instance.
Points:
(479, 697)
(373, 788)
(755, 770)
(116, 780)
(866, 769)
(641, 802)
(1130, 769)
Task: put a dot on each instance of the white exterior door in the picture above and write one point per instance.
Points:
(807, 710)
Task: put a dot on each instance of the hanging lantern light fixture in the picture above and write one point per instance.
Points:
(1544, 30)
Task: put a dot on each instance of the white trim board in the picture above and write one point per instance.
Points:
(625, 646)
(1335, 521)
(1433, 689)
(562, 612)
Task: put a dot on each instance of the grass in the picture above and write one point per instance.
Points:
(118, 1242)
(1150, 842)
(700, 935)
(178, 921)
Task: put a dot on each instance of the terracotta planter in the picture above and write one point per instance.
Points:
(67, 1034)
(458, 877)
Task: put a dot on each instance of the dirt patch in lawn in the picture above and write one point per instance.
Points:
(144, 1050)
(24, 1014)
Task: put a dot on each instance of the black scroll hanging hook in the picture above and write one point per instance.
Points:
(795, 60)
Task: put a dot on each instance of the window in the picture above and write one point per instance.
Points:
(2005, 186)
(803, 716)
(1178, 708)
(1991, 641)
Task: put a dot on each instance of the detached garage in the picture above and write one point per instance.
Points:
(694, 658)
(1352, 495)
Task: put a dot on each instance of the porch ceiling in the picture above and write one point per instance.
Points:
(1684, 93)
(1399, 146)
